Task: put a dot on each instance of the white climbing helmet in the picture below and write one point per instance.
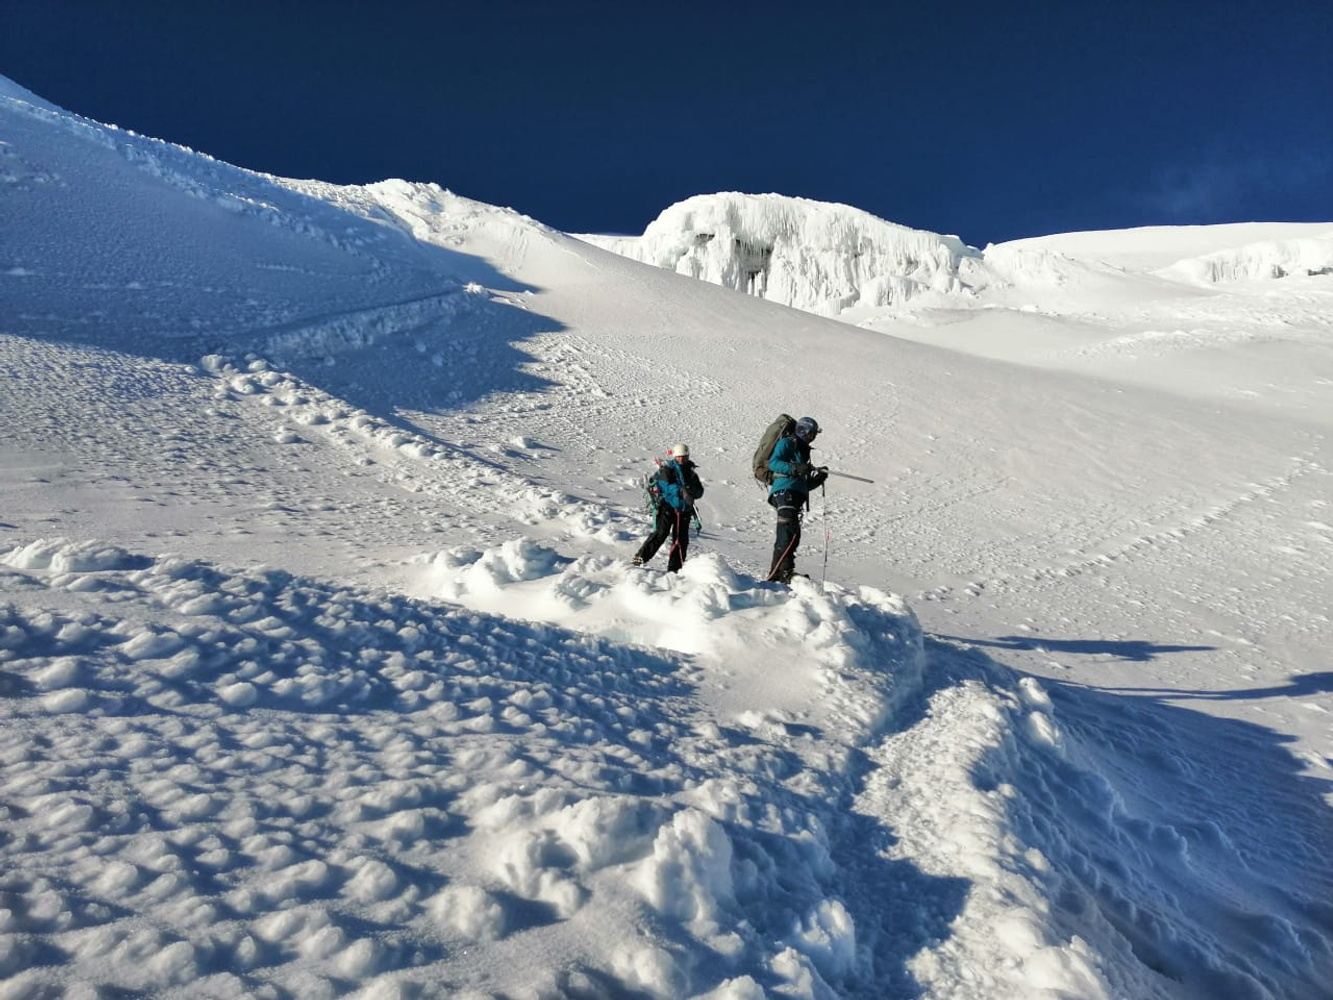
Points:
(680, 451)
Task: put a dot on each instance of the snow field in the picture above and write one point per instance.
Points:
(249, 782)
(421, 464)
(599, 781)
(245, 782)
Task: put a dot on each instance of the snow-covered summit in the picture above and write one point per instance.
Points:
(811, 255)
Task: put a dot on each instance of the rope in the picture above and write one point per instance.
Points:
(772, 573)
(773, 570)
(675, 544)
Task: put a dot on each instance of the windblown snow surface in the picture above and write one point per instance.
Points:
(322, 671)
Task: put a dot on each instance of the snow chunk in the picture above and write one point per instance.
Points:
(514, 561)
(827, 935)
(469, 911)
(373, 881)
(360, 959)
(651, 969)
(741, 988)
(173, 965)
(239, 695)
(67, 701)
(62, 672)
(689, 873)
(63, 556)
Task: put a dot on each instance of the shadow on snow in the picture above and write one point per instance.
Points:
(1139, 651)
(1203, 840)
(132, 246)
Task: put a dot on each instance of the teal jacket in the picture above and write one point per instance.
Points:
(788, 453)
(678, 484)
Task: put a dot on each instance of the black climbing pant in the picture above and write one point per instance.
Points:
(791, 508)
(673, 523)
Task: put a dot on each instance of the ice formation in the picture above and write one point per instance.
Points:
(812, 255)
(1309, 256)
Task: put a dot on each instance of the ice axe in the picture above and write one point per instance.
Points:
(848, 475)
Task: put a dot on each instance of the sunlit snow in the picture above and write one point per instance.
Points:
(323, 671)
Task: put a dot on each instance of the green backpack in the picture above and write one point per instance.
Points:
(783, 427)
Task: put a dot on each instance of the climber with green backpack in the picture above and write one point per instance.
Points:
(782, 462)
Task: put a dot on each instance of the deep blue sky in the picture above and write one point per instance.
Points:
(989, 120)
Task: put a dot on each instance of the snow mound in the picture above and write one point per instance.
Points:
(844, 636)
(1036, 267)
(64, 556)
(817, 256)
(1308, 256)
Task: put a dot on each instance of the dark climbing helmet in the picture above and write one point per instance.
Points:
(807, 428)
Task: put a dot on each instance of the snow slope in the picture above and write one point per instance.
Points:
(1095, 303)
(322, 672)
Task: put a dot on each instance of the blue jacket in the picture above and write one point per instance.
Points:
(678, 484)
(789, 452)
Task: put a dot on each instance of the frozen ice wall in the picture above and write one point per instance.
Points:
(820, 257)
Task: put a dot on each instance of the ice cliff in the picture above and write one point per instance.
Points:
(816, 256)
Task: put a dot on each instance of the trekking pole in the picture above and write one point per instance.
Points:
(823, 513)
(848, 475)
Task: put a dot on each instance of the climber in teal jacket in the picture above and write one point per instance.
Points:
(793, 479)
(674, 488)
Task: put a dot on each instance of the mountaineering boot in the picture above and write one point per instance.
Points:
(636, 561)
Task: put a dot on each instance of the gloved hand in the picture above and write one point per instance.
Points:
(801, 469)
(817, 477)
